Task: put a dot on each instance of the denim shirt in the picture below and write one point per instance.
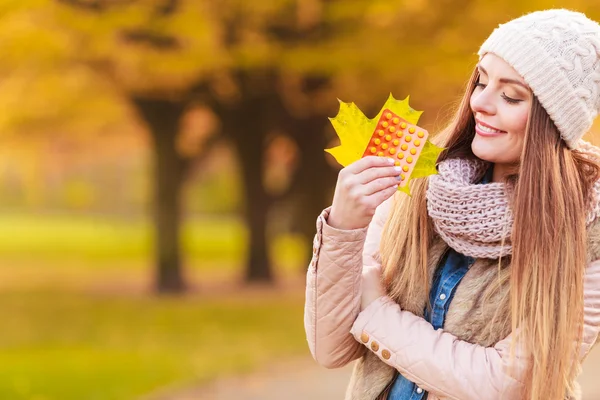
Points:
(449, 273)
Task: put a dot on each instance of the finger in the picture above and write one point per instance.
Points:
(379, 184)
(369, 162)
(379, 197)
(371, 174)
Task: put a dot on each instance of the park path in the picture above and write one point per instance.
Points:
(303, 379)
(296, 379)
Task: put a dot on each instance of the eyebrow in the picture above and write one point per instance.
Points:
(505, 80)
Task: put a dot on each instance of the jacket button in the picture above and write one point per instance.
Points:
(385, 354)
(419, 390)
(374, 346)
(364, 337)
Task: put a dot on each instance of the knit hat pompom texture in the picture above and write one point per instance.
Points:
(557, 52)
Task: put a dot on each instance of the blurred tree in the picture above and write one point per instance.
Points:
(166, 56)
(246, 120)
(153, 52)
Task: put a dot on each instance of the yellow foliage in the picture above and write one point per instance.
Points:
(355, 130)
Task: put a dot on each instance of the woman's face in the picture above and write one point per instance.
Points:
(500, 103)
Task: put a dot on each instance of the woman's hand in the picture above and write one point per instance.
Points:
(361, 187)
(371, 285)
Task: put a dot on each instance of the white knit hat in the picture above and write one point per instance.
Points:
(557, 52)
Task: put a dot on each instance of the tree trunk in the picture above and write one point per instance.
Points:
(258, 263)
(247, 122)
(248, 134)
(163, 118)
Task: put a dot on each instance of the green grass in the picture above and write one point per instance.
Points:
(62, 338)
(56, 345)
(96, 242)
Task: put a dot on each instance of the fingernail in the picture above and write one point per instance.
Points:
(397, 169)
(397, 177)
(390, 160)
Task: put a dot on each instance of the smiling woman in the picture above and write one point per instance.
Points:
(477, 285)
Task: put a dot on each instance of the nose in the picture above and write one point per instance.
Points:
(482, 101)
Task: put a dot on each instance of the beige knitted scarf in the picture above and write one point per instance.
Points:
(476, 219)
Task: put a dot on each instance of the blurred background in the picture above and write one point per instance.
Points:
(161, 170)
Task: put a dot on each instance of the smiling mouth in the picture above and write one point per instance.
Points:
(486, 130)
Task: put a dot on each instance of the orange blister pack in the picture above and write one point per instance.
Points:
(398, 139)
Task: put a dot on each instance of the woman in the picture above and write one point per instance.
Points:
(485, 284)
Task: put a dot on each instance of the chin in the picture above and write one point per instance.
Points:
(485, 151)
(495, 152)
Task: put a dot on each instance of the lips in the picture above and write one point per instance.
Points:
(484, 129)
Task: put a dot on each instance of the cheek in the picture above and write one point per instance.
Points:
(517, 121)
(518, 129)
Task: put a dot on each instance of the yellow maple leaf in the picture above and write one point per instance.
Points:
(355, 131)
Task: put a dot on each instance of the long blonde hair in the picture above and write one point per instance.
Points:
(548, 258)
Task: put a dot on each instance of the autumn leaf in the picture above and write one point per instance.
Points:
(355, 131)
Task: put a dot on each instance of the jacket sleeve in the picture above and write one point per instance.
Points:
(451, 368)
(333, 281)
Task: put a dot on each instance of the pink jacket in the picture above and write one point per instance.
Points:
(448, 368)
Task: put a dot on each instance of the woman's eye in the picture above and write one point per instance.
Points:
(510, 100)
(480, 85)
